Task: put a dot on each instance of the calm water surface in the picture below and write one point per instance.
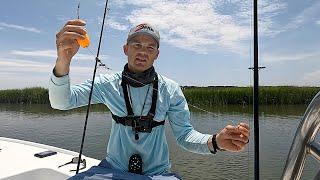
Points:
(40, 123)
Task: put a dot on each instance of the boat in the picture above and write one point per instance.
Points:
(304, 142)
(20, 162)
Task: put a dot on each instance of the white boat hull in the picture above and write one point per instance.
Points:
(18, 161)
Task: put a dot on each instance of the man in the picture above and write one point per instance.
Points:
(140, 100)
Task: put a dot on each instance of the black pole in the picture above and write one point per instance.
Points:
(256, 90)
(91, 89)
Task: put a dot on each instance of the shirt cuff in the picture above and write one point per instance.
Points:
(210, 145)
(206, 148)
(59, 81)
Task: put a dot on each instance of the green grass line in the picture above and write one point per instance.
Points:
(34, 95)
(200, 96)
(268, 95)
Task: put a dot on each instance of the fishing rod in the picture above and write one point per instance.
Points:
(256, 90)
(93, 78)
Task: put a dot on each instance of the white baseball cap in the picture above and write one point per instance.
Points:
(146, 29)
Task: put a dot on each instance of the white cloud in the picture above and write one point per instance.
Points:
(8, 65)
(116, 25)
(192, 25)
(18, 27)
(38, 53)
(8, 74)
(318, 22)
(267, 14)
(270, 10)
(303, 17)
(36, 73)
(203, 25)
(16, 63)
(289, 57)
(312, 78)
(53, 54)
(62, 18)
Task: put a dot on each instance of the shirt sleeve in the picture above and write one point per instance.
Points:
(179, 118)
(62, 96)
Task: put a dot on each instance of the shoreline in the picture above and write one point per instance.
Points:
(200, 96)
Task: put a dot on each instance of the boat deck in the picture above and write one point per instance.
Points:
(18, 161)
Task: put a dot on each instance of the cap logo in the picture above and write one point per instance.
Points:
(143, 26)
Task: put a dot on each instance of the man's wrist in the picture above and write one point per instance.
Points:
(213, 146)
(57, 74)
(61, 68)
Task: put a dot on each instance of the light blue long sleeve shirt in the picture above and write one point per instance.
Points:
(152, 147)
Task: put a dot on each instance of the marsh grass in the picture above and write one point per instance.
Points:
(268, 95)
(200, 96)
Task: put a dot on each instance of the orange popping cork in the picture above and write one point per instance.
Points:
(84, 42)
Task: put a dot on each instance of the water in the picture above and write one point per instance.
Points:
(40, 123)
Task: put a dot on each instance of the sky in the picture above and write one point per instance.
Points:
(203, 42)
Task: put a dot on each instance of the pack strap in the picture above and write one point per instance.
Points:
(138, 123)
(152, 110)
(155, 88)
(126, 99)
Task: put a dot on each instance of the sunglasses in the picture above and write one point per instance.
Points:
(75, 160)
